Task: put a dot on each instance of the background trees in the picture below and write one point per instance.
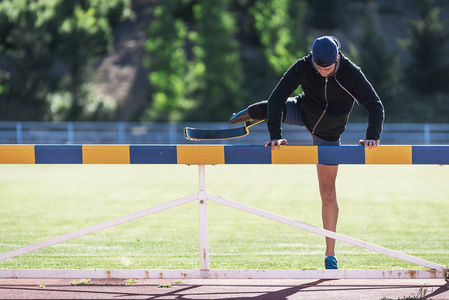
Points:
(216, 61)
(426, 70)
(168, 63)
(47, 53)
(207, 59)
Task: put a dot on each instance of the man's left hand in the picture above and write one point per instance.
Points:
(369, 143)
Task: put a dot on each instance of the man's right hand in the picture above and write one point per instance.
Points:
(369, 143)
(276, 143)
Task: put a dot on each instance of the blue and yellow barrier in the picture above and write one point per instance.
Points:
(220, 154)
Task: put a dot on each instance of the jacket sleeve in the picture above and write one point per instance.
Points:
(368, 97)
(285, 87)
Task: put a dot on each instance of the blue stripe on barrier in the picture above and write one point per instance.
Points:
(430, 155)
(333, 155)
(153, 154)
(247, 155)
(58, 154)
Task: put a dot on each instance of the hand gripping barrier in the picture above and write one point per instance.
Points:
(221, 154)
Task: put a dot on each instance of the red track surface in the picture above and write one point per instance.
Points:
(262, 289)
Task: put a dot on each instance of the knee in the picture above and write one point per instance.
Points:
(328, 194)
(258, 110)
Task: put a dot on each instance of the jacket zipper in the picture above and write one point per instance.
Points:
(325, 109)
(355, 99)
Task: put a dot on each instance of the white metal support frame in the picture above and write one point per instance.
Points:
(204, 239)
(435, 271)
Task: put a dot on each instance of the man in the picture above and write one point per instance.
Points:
(331, 85)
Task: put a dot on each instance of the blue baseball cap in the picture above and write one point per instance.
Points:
(325, 51)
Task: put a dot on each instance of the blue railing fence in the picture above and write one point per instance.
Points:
(172, 133)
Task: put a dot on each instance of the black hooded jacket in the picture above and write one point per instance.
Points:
(326, 102)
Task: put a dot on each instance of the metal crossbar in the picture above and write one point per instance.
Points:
(435, 270)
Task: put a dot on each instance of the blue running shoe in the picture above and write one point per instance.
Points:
(330, 262)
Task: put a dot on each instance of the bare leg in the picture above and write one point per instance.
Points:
(327, 175)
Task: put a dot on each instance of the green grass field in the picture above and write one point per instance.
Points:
(404, 208)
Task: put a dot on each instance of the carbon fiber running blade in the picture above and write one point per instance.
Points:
(199, 134)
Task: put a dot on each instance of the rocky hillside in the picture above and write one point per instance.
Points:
(121, 75)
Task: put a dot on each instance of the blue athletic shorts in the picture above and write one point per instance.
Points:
(294, 117)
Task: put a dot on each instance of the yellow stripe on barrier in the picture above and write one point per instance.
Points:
(208, 155)
(295, 155)
(17, 154)
(389, 155)
(106, 154)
